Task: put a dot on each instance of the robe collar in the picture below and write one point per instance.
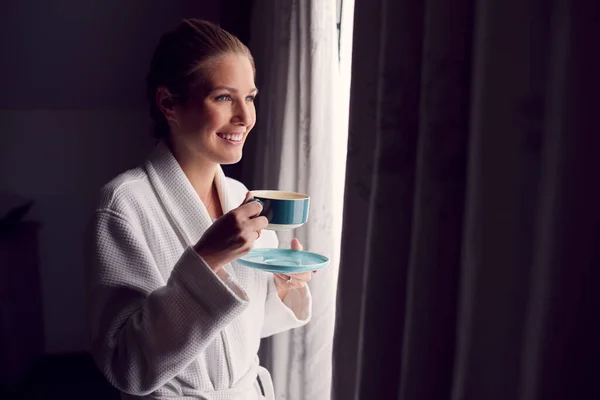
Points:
(186, 210)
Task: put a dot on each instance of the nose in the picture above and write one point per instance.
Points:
(242, 115)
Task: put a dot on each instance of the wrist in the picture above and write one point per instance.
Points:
(208, 259)
(282, 291)
(282, 294)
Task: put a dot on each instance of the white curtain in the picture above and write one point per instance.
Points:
(299, 144)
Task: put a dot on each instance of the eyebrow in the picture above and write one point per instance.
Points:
(232, 90)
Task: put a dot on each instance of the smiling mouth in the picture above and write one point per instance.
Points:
(232, 137)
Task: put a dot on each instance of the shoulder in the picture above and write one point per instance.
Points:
(128, 189)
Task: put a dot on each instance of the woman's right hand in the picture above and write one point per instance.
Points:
(231, 236)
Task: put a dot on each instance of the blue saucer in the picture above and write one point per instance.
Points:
(284, 261)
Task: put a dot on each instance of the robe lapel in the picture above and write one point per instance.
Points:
(191, 219)
(227, 200)
(185, 209)
(187, 212)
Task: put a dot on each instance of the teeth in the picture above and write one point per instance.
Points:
(234, 138)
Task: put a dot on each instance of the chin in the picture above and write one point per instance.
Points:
(230, 159)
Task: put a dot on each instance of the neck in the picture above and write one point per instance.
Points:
(199, 171)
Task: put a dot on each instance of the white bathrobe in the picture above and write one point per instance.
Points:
(163, 324)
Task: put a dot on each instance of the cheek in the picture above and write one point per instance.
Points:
(253, 113)
(215, 119)
(201, 122)
(191, 120)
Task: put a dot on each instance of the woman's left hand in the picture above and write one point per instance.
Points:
(285, 282)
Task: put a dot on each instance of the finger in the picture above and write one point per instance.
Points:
(303, 277)
(296, 245)
(248, 199)
(258, 223)
(251, 232)
(280, 277)
(251, 209)
(294, 283)
(286, 278)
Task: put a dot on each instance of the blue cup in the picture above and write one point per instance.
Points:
(284, 210)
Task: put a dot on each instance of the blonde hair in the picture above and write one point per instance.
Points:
(181, 60)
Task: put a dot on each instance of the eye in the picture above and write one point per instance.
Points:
(223, 97)
(250, 99)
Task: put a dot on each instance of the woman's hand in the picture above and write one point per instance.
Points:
(285, 282)
(232, 235)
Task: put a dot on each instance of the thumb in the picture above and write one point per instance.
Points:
(248, 197)
(296, 245)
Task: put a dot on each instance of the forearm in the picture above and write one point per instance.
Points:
(145, 331)
(292, 312)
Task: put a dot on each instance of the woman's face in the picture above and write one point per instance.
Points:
(216, 119)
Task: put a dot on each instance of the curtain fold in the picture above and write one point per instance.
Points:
(439, 195)
(293, 147)
(471, 237)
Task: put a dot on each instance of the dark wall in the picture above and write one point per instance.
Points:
(235, 18)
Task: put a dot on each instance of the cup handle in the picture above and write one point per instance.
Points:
(257, 201)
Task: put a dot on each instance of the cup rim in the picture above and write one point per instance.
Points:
(262, 194)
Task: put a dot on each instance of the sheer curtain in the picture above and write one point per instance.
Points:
(471, 237)
(299, 144)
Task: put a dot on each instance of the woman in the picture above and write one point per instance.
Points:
(171, 314)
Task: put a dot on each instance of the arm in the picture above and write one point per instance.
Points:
(292, 312)
(284, 311)
(143, 332)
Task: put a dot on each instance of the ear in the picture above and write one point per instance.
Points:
(166, 104)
